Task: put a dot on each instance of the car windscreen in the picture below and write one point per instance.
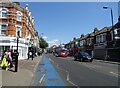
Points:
(64, 51)
(84, 54)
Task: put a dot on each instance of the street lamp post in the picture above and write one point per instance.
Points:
(105, 7)
(17, 54)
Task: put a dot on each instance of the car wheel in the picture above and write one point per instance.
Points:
(81, 59)
(90, 60)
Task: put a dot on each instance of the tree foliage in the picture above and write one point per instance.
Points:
(43, 43)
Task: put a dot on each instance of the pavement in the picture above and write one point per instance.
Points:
(111, 62)
(24, 75)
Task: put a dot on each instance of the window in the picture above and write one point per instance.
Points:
(3, 26)
(101, 38)
(19, 16)
(3, 32)
(18, 31)
(97, 39)
(81, 43)
(3, 29)
(3, 13)
(104, 37)
(84, 42)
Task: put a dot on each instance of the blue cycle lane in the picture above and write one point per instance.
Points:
(46, 75)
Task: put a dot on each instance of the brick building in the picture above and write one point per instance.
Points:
(101, 44)
(17, 21)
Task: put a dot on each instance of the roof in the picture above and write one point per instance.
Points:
(104, 30)
(4, 1)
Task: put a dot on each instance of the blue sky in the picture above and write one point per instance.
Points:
(61, 21)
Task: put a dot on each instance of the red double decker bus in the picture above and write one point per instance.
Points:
(61, 52)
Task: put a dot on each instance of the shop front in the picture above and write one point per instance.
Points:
(9, 43)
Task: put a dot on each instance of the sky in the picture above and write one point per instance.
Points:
(60, 22)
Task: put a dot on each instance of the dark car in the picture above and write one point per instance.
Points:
(83, 56)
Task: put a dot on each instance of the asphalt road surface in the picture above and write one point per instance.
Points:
(86, 73)
(75, 73)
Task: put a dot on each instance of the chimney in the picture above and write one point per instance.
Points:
(74, 38)
(30, 13)
(26, 7)
(82, 35)
(95, 30)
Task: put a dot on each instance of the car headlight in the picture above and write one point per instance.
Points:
(89, 58)
(84, 56)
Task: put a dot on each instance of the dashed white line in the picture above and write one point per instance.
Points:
(42, 79)
(115, 74)
(68, 76)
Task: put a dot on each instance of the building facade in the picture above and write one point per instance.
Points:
(16, 21)
(101, 44)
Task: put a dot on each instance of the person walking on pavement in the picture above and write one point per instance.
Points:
(5, 63)
(28, 54)
(2, 61)
(10, 59)
(32, 53)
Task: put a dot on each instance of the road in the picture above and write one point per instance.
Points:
(75, 73)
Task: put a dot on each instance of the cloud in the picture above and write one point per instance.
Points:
(45, 37)
(53, 42)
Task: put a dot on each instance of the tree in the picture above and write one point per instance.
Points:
(43, 43)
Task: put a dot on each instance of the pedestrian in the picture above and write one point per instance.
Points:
(3, 54)
(32, 53)
(5, 64)
(8, 59)
(28, 54)
(10, 55)
(2, 62)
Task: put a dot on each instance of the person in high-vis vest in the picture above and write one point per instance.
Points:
(4, 63)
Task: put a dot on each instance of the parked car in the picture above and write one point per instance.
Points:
(83, 56)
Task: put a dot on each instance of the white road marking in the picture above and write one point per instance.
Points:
(68, 76)
(115, 74)
(42, 79)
